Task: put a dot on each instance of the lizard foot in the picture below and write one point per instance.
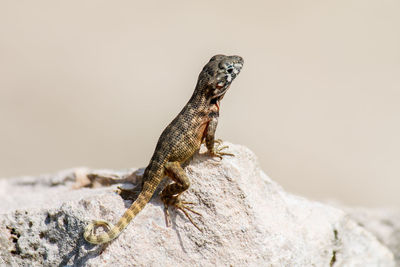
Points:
(180, 205)
(130, 193)
(217, 151)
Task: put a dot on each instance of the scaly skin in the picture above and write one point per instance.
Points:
(195, 124)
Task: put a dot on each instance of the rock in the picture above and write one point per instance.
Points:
(383, 223)
(247, 219)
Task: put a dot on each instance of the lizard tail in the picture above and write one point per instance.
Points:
(113, 231)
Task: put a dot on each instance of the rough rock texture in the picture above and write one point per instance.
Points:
(383, 223)
(247, 220)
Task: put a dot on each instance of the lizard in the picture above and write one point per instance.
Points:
(194, 125)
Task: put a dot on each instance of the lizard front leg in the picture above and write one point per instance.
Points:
(170, 194)
(214, 150)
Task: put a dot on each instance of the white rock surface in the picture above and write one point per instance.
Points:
(383, 223)
(248, 220)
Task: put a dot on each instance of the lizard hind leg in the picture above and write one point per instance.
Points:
(170, 194)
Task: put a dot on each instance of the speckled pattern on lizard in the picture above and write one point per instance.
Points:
(195, 124)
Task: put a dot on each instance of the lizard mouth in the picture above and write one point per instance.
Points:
(227, 73)
(222, 92)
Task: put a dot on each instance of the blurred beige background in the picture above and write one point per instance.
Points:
(93, 83)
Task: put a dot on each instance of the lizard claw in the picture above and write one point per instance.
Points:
(183, 208)
(217, 152)
(218, 141)
(180, 205)
(167, 216)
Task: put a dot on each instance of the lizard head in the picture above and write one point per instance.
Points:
(219, 73)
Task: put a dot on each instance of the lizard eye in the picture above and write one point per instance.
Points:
(229, 71)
